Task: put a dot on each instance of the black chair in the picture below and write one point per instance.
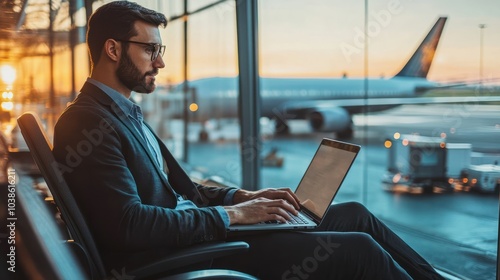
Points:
(41, 149)
(40, 254)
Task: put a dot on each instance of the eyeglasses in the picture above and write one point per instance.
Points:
(154, 48)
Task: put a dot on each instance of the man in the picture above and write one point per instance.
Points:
(140, 204)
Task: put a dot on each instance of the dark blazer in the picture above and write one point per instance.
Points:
(129, 205)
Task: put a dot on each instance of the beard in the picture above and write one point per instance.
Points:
(131, 76)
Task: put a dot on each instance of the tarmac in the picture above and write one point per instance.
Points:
(456, 231)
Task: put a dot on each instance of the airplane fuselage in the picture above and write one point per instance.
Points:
(217, 97)
(327, 104)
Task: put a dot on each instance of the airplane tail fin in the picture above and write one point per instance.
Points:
(420, 62)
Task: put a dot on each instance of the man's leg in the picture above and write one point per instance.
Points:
(354, 217)
(313, 255)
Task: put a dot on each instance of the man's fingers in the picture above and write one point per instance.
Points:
(282, 193)
(282, 208)
(288, 195)
(278, 214)
(293, 199)
(264, 209)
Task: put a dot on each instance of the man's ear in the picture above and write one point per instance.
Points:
(112, 49)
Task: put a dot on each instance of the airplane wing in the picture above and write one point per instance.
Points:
(457, 83)
(346, 103)
(336, 115)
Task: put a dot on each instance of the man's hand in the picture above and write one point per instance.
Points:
(264, 205)
(260, 210)
(282, 193)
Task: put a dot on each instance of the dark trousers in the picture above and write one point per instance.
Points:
(351, 243)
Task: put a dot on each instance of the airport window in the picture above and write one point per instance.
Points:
(426, 199)
(212, 88)
(415, 83)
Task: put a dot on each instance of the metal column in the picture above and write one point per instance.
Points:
(249, 93)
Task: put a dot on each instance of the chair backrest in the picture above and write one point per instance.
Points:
(4, 158)
(41, 150)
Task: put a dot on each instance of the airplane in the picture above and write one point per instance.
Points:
(327, 103)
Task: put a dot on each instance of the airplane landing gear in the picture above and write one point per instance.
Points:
(203, 135)
(281, 127)
(346, 134)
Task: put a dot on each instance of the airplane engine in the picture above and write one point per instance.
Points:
(330, 120)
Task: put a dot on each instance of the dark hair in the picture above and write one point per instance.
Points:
(116, 19)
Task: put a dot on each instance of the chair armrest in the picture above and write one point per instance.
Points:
(188, 256)
(211, 274)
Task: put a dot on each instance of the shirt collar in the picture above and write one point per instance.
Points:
(125, 104)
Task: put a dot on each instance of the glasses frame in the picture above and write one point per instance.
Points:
(158, 49)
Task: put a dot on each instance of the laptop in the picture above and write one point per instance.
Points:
(318, 186)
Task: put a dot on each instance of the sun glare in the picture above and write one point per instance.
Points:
(8, 74)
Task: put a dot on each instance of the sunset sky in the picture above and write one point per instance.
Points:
(312, 38)
(321, 38)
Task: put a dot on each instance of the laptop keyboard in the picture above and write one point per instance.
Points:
(296, 220)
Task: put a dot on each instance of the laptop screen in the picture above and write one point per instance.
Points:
(325, 174)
